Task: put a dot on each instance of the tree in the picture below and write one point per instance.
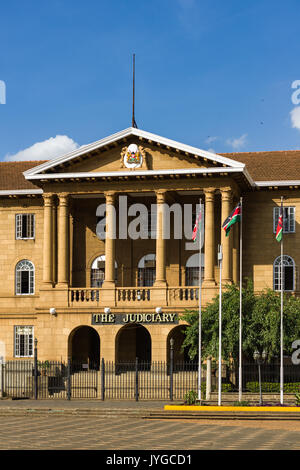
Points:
(261, 324)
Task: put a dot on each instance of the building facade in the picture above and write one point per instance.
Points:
(88, 288)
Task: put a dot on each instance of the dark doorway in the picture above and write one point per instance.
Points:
(180, 355)
(133, 341)
(84, 347)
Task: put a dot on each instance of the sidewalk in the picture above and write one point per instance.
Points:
(131, 409)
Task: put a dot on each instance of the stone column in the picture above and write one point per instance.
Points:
(160, 241)
(63, 239)
(110, 240)
(226, 198)
(48, 240)
(209, 246)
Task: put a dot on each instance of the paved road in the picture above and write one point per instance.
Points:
(48, 432)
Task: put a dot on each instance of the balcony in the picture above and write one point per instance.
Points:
(136, 296)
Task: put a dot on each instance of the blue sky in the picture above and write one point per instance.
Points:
(210, 73)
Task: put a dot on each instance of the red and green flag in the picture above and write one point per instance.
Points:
(197, 225)
(279, 230)
(232, 219)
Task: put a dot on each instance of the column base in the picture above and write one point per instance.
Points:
(227, 281)
(160, 283)
(209, 283)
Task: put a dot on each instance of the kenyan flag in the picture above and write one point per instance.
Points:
(279, 225)
(234, 217)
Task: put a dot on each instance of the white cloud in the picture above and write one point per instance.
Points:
(50, 148)
(295, 117)
(237, 143)
(210, 139)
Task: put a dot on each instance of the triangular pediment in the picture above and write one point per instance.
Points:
(132, 150)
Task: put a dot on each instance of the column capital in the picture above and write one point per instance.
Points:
(48, 199)
(209, 194)
(161, 195)
(226, 194)
(63, 199)
(110, 197)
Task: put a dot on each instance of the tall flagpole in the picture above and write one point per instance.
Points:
(220, 257)
(200, 222)
(241, 277)
(281, 311)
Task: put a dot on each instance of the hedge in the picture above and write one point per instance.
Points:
(271, 387)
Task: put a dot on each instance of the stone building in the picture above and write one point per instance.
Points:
(86, 297)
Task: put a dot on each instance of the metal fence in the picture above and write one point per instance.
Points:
(134, 380)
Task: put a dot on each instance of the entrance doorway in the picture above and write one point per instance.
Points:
(133, 341)
(181, 357)
(84, 346)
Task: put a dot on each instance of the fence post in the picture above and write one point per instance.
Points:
(102, 379)
(208, 378)
(136, 379)
(69, 380)
(171, 366)
(35, 370)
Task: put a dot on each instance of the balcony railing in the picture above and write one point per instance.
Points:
(175, 296)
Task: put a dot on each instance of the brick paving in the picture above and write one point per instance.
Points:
(49, 432)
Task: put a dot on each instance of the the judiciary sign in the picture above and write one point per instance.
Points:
(152, 318)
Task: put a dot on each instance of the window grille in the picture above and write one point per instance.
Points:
(24, 278)
(25, 226)
(23, 341)
(288, 273)
(289, 225)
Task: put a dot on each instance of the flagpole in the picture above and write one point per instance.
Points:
(281, 312)
(200, 222)
(220, 257)
(241, 277)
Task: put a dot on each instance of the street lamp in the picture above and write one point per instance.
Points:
(259, 359)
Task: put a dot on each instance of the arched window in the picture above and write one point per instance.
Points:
(98, 271)
(288, 273)
(24, 277)
(192, 270)
(146, 270)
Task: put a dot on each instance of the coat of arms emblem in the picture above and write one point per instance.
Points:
(132, 156)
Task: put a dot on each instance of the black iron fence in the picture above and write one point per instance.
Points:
(134, 380)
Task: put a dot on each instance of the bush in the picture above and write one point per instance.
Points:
(272, 387)
(190, 397)
(241, 403)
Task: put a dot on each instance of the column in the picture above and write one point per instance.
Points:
(226, 202)
(48, 240)
(110, 240)
(160, 240)
(63, 239)
(209, 241)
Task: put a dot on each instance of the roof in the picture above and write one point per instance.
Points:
(270, 166)
(12, 178)
(273, 166)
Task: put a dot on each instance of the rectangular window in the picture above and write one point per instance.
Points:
(289, 225)
(23, 341)
(25, 226)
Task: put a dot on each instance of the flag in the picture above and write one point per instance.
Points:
(279, 230)
(197, 225)
(234, 217)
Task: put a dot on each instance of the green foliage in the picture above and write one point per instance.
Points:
(261, 324)
(241, 403)
(273, 387)
(190, 397)
(297, 396)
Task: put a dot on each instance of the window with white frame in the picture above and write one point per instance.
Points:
(25, 278)
(288, 273)
(289, 225)
(147, 270)
(23, 341)
(192, 270)
(25, 226)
